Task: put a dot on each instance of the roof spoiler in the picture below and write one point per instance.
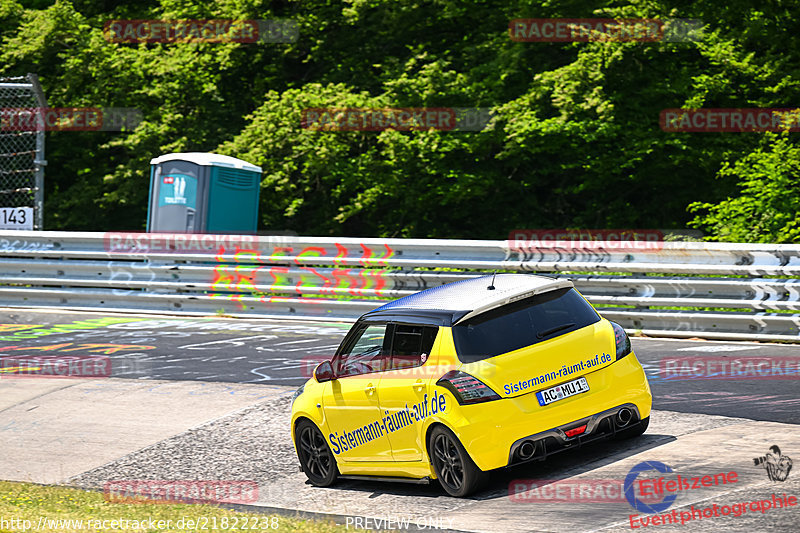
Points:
(556, 284)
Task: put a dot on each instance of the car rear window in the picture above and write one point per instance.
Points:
(521, 324)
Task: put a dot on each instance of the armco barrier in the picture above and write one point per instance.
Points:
(733, 291)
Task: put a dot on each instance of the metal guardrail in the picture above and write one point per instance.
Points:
(725, 286)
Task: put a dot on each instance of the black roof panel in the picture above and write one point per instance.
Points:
(447, 304)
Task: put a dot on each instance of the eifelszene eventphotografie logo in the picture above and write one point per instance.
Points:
(655, 495)
(630, 495)
(776, 464)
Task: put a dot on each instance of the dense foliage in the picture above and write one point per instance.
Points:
(575, 140)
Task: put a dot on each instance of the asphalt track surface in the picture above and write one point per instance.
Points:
(284, 352)
(209, 398)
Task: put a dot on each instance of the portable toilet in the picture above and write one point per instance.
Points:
(198, 192)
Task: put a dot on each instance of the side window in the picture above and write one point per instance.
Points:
(411, 345)
(367, 353)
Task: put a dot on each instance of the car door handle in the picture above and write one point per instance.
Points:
(419, 386)
(370, 390)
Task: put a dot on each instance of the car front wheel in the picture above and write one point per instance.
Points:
(315, 456)
(458, 475)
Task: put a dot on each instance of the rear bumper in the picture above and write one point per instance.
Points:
(599, 426)
(492, 431)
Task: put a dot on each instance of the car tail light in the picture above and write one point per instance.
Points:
(467, 389)
(622, 340)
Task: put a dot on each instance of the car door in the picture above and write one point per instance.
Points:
(403, 391)
(350, 402)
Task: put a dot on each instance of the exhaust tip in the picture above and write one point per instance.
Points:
(527, 449)
(624, 416)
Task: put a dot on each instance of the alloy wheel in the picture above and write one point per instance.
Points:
(315, 456)
(448, 462)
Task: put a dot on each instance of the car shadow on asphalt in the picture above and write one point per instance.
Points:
(570, 463)
(561, 465)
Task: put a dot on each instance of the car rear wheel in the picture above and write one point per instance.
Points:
(458, 475)
(315, 456)
(634, 431)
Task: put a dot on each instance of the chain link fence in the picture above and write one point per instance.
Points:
(22, 152)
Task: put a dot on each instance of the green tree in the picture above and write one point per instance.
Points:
(767, 206)
(575, 140)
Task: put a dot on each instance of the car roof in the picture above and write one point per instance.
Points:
(455, 302)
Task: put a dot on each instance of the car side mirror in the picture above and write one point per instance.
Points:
(323, 372)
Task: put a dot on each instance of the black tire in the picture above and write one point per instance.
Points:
(634, 431)
(458, 475)
(316, 458)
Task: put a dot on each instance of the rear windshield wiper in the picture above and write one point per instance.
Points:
(552, 330)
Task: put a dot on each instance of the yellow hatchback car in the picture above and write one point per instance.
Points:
(454, 381)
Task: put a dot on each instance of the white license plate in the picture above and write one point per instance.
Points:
(565, 390)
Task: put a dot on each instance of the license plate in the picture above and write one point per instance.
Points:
(565, 390)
